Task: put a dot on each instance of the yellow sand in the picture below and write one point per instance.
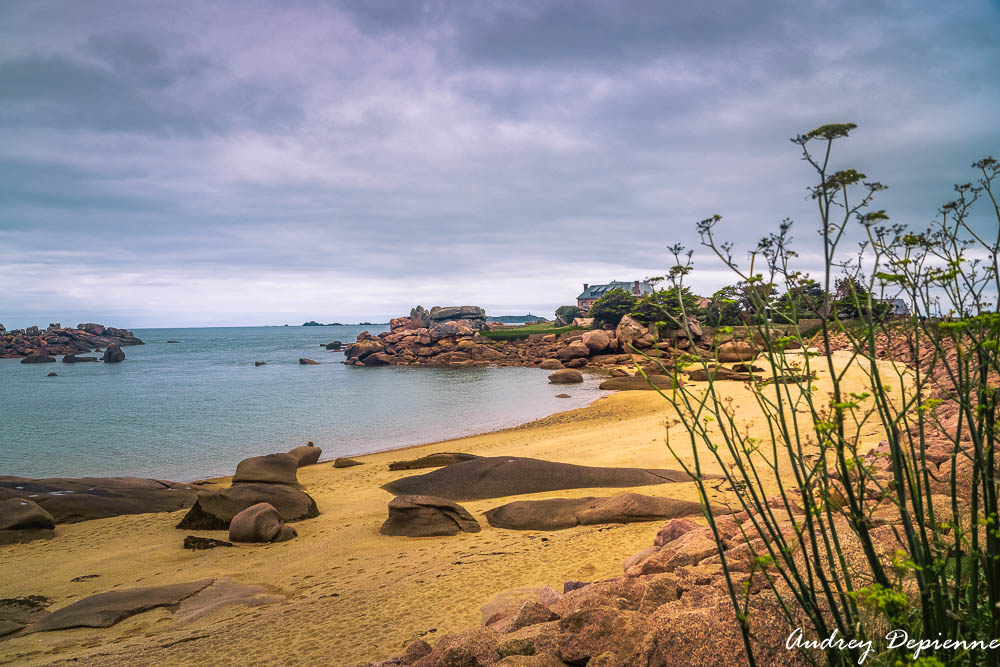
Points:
(350, 594)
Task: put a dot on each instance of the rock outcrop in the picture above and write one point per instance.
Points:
(638, 383)
(496, 477)
(427, 516)
(437, 460)
(72, 500)
(268, 469)
(106, 609)
(560, 513)
(306, 455)
(56, 340)
(23, 520)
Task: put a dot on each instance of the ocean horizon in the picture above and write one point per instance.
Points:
(195, 408)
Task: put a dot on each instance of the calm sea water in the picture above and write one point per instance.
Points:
(194, 409)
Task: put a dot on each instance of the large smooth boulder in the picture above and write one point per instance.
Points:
(628, 330)
(113, 354)
(260, 523)
(560, 513)
(566, 376)
(574, 350)
(71, 500)
(438, 313)
(214, 510)
(551, 365)
(269, 469)
(23, 520)
(496, 477)
(306, 455)
(363, 348)
(597, 340)
(638, 382)
(427, 516)
(106, 609)
(38, 359)
(736, 350)
(437, 460)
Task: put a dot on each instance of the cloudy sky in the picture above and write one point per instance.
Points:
(202, 163)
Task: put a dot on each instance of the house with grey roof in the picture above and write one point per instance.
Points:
(592, 293)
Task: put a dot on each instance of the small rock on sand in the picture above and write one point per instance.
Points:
(198, 543)
(342, 462)
(215, 510)
(260, 523)
(427, 516)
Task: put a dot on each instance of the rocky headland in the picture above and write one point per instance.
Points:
(456, 336)
(43, 345)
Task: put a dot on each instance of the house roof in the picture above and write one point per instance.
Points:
(597, 291)
(899, 307)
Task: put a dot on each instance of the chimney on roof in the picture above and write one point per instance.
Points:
(585, 286)
(635, 287)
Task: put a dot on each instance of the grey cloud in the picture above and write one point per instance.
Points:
(453, 145)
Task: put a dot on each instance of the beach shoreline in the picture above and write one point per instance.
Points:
(342, 593)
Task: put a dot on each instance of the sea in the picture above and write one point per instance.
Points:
(193, 409)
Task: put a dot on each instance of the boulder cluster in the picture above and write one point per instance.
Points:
(264, 495)
(41, 345)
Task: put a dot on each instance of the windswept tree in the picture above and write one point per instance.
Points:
(612, 307)
(568, 313)
(664, 308)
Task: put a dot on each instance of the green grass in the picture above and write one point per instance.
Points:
(525, 331)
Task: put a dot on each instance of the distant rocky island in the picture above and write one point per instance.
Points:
(44, 344)
(312, 323)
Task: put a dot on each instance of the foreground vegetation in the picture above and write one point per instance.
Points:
(819, 547)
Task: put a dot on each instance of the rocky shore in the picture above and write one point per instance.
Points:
(43, 345)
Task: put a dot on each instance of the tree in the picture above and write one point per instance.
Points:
(568, 313)
(724, 308)
(805, 299)
(853, 298)
(663, 307)
(613, 306)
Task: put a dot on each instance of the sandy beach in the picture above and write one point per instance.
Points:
(341, 593)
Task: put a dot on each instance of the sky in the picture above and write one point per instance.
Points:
(241, 163)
